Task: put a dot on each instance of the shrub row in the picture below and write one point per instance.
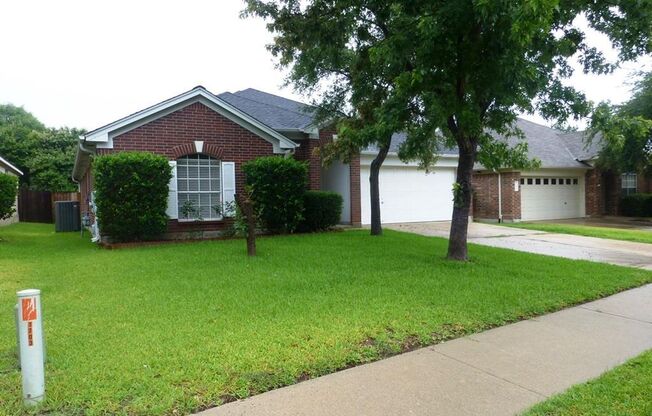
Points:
(322, 211)
(636, 205)
(278, 187)
(131, 195)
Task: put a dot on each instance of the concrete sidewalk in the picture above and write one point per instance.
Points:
(498, 372)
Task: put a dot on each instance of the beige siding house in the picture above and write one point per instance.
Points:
(8, 168)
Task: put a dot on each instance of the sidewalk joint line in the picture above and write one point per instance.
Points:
(491, 374)
(614, 314)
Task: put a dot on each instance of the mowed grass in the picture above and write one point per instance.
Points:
(174, 328)
(638, 236)
(626, 390)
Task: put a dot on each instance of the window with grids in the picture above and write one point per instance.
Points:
(628, 183)
(199, 187)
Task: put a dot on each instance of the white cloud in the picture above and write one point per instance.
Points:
(87, 63)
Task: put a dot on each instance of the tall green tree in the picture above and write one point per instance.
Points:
(45, 155)
(336, 49)
(625, 131)
(51, 164)
(18, 136)
(477, 64)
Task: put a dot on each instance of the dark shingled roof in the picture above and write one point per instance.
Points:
(555, 148)
(279, 113)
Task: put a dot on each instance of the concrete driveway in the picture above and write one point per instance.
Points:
(622, 253)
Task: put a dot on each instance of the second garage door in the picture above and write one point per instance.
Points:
(408, 194)
(550, 198)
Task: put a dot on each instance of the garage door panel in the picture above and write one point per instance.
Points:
(408, 194)
(550, 198)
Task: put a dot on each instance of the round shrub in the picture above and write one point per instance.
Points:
(8, 188)
(636, 205)
(322, 210)
(131, 194)
(277, 186)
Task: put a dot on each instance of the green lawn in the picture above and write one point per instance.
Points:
(626, 390)
(180, 327)
(639, 236)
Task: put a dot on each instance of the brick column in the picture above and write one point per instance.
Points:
(510, 197)
(593, 193)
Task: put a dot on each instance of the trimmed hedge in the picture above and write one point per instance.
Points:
(131, 194)
(322, 210)
(8, 189)
(636, 205)
(277, 186)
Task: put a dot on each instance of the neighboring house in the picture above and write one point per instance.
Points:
(208, 137)
(8, 168)
(567, 184)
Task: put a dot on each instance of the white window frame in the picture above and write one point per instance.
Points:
(221, 192)
(628, 179)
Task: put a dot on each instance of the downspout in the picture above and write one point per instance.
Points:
(500, 198)
(85, 150)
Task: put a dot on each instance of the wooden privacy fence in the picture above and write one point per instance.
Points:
(38, 206)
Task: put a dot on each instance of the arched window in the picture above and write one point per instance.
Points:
(199, 187)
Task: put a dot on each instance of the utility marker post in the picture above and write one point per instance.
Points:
(30, 331)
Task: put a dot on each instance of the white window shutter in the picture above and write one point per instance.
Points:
(173, 205)
(228, 188)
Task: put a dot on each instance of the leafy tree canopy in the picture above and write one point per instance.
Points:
(45, 155)
(625, 131)
(461, 68)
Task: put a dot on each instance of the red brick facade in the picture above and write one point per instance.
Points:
(174, 135)
(306, 152)
(604, 190)
(594, 193)
(602, 194)
(485, 196)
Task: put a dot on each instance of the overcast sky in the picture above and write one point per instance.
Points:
(87, 63)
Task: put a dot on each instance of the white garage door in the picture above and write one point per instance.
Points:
(408, 194)
(550, 198)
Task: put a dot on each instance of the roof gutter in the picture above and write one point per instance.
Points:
(82, 140)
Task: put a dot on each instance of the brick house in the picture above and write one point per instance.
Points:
(9, 169)
(208, 137)
(567, 185)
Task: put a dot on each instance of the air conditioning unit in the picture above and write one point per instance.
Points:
(66, 216)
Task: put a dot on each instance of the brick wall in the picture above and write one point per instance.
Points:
(594, 193)
(306, 152)
(511, 198)
(485, 196)
(611, 182)
(85, 189)
(174, 135)
(612, 193)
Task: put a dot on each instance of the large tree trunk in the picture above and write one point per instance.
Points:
(457, 247)
(374, 187)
